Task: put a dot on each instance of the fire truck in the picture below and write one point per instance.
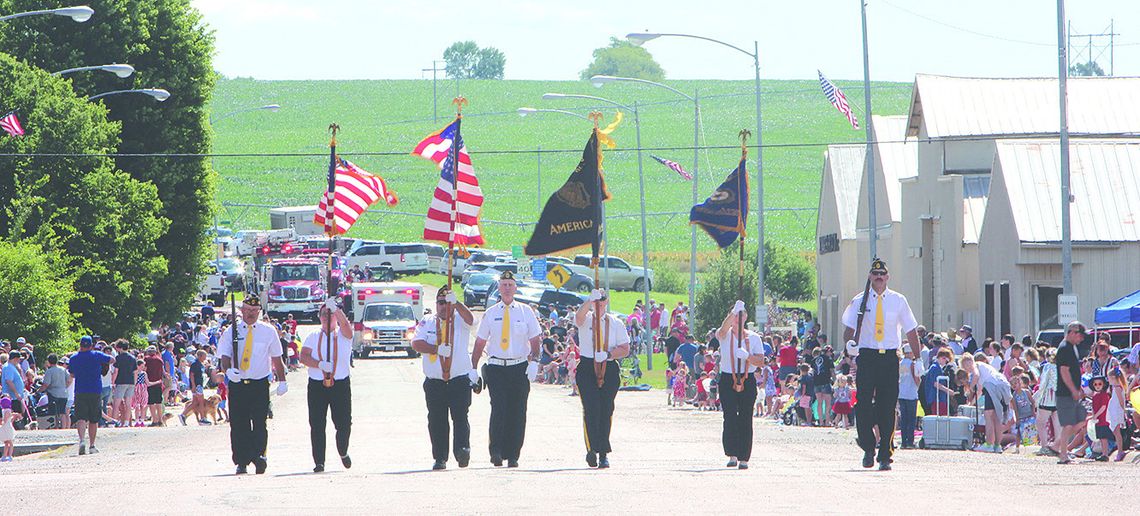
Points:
(293, 286)
(384, 316)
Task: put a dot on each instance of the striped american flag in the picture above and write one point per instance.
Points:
(10, 124)
(446, 148)
(674, 166)
(356, 190)
(837, 99)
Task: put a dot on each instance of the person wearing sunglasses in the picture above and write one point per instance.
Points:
(447, 394)
(880, 318)
(598, 397)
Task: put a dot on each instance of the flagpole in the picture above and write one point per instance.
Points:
(599, 367)
(738, 381)
(448, 318)
(331, 232)
(869, 162)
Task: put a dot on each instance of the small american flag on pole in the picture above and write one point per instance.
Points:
(458, 189)
(355, 191)
(674, 166)
(11, 124)
(837, 99)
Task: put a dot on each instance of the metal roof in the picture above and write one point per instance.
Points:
(846, 166)
(975, 194)
(898, 156)
(1105, 185)
(957, 107)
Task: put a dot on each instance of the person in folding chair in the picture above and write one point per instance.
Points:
(598, 397)
(328, 354)
(447, 387)
(739, 358)
(874, 341)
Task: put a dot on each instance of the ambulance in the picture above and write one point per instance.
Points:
(384, 316)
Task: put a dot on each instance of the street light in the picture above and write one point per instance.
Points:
(272, 108)
(80, 13)
(641, 185)
(638, 38)
(601, 80)
(122, 70)
(524, 111)
(159, 94)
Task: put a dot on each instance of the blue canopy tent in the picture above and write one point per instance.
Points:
(1125, 310)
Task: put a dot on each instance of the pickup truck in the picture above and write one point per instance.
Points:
(623, 276)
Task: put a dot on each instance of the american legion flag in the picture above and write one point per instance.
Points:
(355, 191)
(457, 185)
(10, 124)
(837, 99)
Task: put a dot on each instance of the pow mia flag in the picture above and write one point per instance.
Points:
(572, 216)
(724, 214)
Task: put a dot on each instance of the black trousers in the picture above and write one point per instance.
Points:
(321, 399)
(451, 398)
(509, 389)
(737, 408)
(878, 394)
(597, 403)
(249, 406)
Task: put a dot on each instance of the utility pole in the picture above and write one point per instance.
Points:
(434, 102)
(1098, 44)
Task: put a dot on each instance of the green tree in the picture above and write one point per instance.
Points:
(37, 298)
(171, 48)
(465, 60)
(1089, 69)
(624, 59)
(99, 225)
(722, 286)
(787, 275)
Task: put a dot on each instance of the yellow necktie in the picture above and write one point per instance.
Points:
(879, 319)
(247, 348)
(505, 340)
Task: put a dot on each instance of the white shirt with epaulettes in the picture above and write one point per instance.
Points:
(617, 335)
(896, 316)
(266, 347)
(427, 330)
(524, 326)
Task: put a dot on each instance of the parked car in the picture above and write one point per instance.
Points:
(622, 275)
(437, 258)
(475, 291)
(528, 292)
(234, 270)
(497, 268)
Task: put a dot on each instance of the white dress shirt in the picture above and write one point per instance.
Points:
(266, 347)
(728, 344)
(896, 317)
(617, 335)
(316, 342)
(524, 326)
(460, 351)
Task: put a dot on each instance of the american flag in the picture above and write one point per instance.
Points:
(356, 190)
(838, 99)
(11, 124)
(674, 166)
(446, 148)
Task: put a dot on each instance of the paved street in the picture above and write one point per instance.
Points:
(666, 460)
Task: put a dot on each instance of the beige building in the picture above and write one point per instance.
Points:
(1021, 234)
(933, 183)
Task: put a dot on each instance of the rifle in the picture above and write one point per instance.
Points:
(862, 312)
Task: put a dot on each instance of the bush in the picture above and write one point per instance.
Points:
(787, 276)
(35, 299)
(720, 289)
(668, 278)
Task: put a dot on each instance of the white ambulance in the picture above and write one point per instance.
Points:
(384, 316)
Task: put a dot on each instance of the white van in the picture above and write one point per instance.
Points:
(403, 258)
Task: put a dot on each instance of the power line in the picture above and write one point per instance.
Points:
(968, 31)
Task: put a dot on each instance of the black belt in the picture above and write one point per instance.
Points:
(248, 381)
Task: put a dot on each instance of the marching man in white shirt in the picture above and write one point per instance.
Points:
(327, 354)
(449, 376)
(739, 358)
(247, 356)
(510, 333)
(598, 397)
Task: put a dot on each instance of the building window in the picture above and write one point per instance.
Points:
(988, 308)
(1005, 316)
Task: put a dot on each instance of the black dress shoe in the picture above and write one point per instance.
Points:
(497, 459)
(259, 465)
(603, 461)
(346, 461)
(319, 468)
(742, 465)
(463, 457)
(592, 459)
(868, 459)
(731, 463)
(512, 463)
(241, 470)
(439, 464)
(885, 466)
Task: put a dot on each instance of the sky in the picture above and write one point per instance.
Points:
(554, 39)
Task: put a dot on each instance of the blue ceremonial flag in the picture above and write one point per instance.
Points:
(724, 214)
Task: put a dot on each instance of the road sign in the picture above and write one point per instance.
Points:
(538, 268)
(557, 275)
(1066, 308)
(762, 315)
(517, 252)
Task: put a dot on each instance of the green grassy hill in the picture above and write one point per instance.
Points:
(390, 117)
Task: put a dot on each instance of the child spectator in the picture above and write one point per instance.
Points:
(1023, 407)
(139, 397)
(1048, 425)
(680, 378)
(701, 401)
(1101, 398)
(805, 394)
(7, 430)
(842, 406)
(1115, 412)
(223, 394)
